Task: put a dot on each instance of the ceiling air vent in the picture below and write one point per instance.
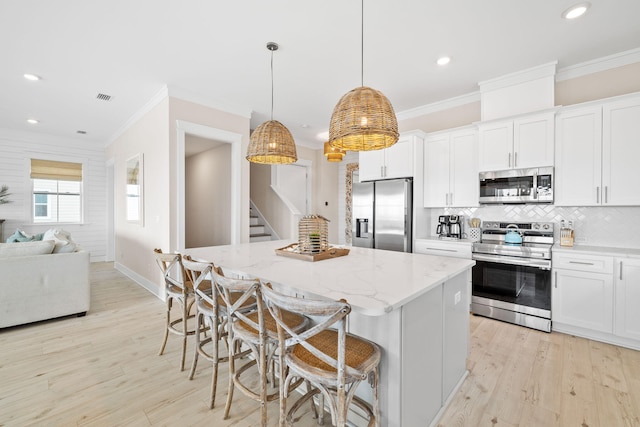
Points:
(104, 97)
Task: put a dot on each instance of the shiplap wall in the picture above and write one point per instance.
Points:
(16, 150)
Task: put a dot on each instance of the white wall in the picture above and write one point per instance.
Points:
(207, 198)
(17, 148)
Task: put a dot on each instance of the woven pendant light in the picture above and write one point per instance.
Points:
(271, 142)
(363, 119)
(333, 154)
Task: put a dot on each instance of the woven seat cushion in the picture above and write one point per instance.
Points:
(293, 321)
(176, 291)
(358, 351)
(249, 303)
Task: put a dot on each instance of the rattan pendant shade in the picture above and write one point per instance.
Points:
(271, 142)
(363, 120)
(333, 154)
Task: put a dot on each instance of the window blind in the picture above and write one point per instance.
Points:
(61, 171)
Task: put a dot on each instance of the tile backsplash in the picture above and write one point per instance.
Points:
(594, 226)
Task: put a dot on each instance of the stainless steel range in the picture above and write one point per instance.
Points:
(511, 280)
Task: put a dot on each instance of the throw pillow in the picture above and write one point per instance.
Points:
(62, 240)
(20, 236)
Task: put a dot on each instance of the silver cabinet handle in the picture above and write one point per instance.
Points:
(441, 249)
(620, 270)
(581, 263)
(450, 199)
(597, 194)
(606, 194)
(509, 159)
(555, 282)
(515, 160)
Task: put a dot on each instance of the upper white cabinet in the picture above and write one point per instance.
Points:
(396, 161)
(450, 169)
(596, 154)
(524, 142)
(627, 290)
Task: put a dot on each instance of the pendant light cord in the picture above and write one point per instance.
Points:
(362, 43)
(272, 85)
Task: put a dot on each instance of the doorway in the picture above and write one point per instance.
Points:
(233, 141)
(207, 178)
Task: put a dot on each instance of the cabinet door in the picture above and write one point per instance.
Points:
(620, 152)
(628, 298)
(578, 170)
(463, 169)
(583, 299)
(436, 171)
(371, 164)
(533, 141)
(398, 159)
(496, 146)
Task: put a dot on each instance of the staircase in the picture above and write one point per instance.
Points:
(256, 229)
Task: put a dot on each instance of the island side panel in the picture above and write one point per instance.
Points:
(411, 339)
(455, 303)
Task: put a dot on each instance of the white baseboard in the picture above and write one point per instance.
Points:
(142, 281)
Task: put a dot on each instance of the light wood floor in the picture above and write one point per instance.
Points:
(103, 370)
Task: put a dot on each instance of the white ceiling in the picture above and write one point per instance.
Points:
(215, 51)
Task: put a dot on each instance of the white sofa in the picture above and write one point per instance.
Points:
(36, 284)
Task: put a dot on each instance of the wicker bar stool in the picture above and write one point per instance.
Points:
(177, 288)
(211, 316)
(332, 360)
(256, 331)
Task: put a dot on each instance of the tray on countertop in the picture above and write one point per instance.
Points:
(291, 251)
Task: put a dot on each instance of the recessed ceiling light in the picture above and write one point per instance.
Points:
(31, 77)
(305, 126)
(443, 60)
(576, 10)
(33, 121)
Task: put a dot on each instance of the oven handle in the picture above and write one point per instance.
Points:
(542, 264)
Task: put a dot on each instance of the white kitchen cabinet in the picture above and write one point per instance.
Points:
(578, 170)
(523, 142)
(582, 293)
(596, 154)
(450, 169)
(620, 152)
(396, 161)
(627, 291)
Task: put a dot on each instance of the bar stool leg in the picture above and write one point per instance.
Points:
(166, 327)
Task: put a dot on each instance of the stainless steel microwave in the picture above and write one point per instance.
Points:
(533, 185)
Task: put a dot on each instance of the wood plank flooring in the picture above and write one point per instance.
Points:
(103, 370)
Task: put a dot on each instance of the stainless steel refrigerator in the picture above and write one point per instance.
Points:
(382, 212)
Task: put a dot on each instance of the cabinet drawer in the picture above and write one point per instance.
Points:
(441, 248)
(580, 262)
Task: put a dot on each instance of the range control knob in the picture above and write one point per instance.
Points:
(546, 226)
(536, 226)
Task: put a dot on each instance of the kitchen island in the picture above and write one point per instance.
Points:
(414, 306)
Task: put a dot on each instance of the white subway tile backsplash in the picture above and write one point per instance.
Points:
(617, 226)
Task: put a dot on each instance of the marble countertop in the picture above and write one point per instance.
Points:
(599, 250)
(373, 281)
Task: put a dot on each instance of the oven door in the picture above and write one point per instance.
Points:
(519, 288)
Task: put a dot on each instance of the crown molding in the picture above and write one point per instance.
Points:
(179, 93)
(439, 106)
(523, 76)
(601, 64)
(155, 100)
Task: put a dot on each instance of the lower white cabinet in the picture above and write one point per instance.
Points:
(597, 297)
(627, 320)
(583, 299)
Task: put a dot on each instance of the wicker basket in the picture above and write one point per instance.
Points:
(313, 232)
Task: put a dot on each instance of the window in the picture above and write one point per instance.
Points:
(57, 191)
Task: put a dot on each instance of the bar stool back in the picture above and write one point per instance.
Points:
(177, 288)
(332, 360)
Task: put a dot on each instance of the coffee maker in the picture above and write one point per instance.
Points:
(444, 223)
(455, 226)
(450, 226)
